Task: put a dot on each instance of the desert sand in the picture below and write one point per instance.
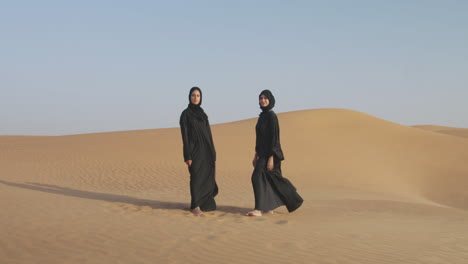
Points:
(374, 191)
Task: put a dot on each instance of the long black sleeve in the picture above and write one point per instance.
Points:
(185, 136)
(211, 140)
(268, 136)
(274, 131)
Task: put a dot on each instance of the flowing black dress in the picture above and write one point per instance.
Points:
(199, 147)
(271, 189)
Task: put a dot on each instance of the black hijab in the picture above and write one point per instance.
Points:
(270, 97)
(195, 109)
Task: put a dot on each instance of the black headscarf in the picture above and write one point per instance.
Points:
(270, 97)
(196, 110)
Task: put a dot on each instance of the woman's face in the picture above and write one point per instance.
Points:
(195, 97)
(263, 101)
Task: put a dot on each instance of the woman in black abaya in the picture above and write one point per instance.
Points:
(199, 154)
(271, 189)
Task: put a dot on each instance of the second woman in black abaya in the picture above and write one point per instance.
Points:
(271, 189)
(199, 154)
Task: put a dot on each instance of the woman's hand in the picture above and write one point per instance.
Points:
(254, 162)
(189, 163)
(270, 164)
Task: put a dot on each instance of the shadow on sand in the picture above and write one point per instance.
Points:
(115, 198)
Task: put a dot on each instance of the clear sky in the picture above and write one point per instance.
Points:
(70, 67)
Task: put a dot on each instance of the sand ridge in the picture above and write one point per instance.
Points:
(454, 131)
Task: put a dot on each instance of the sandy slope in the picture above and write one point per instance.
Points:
(375, 192)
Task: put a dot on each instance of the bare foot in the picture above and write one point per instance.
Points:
(254, 213)
(269, 212)
(198, 212)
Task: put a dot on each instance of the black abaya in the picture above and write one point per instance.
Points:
(198, 147)
(271, 189)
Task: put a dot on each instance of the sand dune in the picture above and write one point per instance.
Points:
(375, 192)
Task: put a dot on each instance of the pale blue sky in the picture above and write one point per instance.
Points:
(70, 67)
